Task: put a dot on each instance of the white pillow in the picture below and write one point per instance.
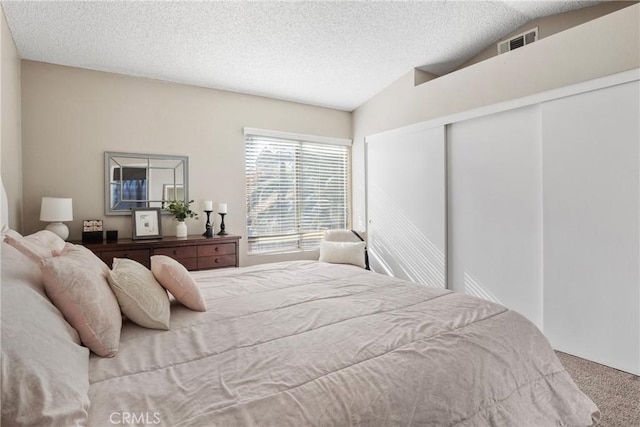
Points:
(45, 370)
(15, 265)
(343, 253)
(141, 298)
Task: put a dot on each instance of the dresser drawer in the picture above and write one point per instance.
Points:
(178, 252)
(216, 250)
(216, 261)
(140, 255)
(189, 263)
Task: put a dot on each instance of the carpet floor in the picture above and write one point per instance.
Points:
(616, 393)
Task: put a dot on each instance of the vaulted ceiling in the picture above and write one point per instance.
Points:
(336, 54)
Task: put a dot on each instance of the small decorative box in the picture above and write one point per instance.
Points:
(92, 230)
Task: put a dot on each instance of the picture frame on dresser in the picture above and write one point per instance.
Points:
(146, 223)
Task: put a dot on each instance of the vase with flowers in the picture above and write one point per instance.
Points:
(181, 211)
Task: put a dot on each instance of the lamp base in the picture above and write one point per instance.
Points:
(59, 228)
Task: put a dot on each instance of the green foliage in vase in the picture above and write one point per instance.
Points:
(180, 210)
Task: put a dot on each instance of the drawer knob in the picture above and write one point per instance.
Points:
(217, 260)
(175, 252)
(217, 249)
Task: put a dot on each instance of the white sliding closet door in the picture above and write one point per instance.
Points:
(591, 161)
(406, 230)
(495, 211)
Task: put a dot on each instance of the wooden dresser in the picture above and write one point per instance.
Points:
(194, 252)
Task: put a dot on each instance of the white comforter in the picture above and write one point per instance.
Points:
(309, 343)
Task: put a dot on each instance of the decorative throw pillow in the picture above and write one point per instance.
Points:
(36, 246)
(175, 278)
(76, 283)
(343, 253)
(142, 299)
(344, 235)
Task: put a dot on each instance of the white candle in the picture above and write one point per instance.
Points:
(208, 205)
(222, 208)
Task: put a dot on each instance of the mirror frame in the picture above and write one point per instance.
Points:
(108, 155)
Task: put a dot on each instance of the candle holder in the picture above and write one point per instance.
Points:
(208, 228)
(222, 232)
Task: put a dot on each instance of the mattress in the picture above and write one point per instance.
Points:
(311, 343)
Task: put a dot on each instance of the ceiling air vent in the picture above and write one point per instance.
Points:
(518, 41)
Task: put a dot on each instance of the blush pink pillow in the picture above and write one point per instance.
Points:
(76, 283)
(175, 278)
(36, 246)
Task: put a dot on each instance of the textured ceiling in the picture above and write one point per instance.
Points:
(333, 54)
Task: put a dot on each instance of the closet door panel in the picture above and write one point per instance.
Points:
(591, 225)
(495, 214)
(406, 230)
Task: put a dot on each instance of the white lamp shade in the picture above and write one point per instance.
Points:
(56, 209)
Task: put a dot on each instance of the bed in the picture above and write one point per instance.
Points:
(287, 344)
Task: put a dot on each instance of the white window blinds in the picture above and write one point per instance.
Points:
(295, 190)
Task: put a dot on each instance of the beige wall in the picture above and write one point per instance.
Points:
(553, 24)
(10, 136)
(600, 47)
(71, 116)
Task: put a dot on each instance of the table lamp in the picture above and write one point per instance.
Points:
(56, 210)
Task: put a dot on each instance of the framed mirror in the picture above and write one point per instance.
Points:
(134, 180)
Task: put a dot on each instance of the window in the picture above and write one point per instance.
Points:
(296, 189)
